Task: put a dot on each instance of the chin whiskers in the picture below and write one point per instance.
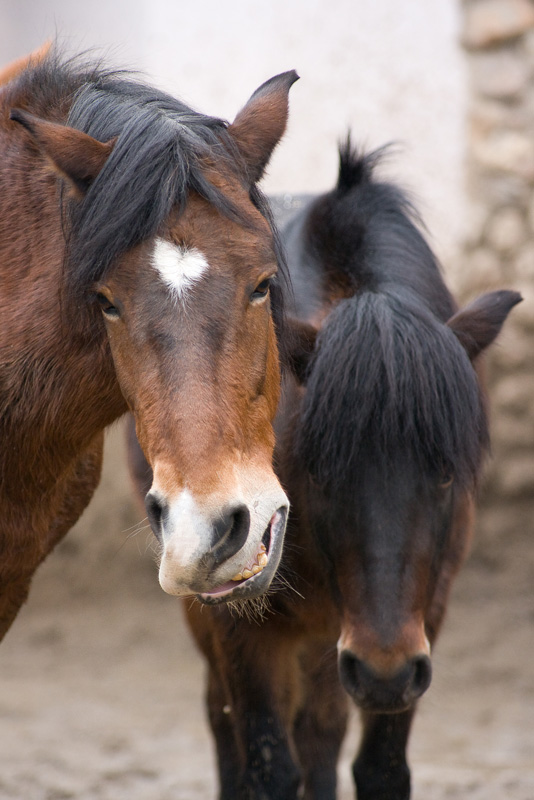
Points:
(254, 610)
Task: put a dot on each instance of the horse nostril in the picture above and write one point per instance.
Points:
(390, 692)
(422, 675)
(230, 533)
(156, 509)
(349, 668)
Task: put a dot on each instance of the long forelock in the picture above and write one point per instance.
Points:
(388, 377)
(162, 152)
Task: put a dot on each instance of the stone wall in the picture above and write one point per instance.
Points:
(498, 37)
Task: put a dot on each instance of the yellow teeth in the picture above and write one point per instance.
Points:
(259, 564)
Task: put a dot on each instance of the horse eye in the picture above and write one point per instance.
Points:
(446, 481)
(261, 289)
(107, 306)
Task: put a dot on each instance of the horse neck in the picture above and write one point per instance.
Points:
(303, 559)
(58, 389)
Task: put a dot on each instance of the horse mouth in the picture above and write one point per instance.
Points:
(254, 578)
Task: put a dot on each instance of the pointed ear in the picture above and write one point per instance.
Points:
(74, 155)
(259, 126)
(301, 337)
(478, 324)
(14, 69)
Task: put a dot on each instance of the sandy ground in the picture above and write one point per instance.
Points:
(100, 686)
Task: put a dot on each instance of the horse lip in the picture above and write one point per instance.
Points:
(257, 584)
(368, 704)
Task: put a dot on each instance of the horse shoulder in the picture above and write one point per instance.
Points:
(30, 531)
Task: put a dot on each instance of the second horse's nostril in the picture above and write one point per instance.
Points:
(422, 675)
(230, 533)
(348, 667)
(155, 509)
(384, 692)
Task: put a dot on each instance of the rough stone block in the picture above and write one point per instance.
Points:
(516, 474)
(506, 230)
(508, 151)
(524, 263)
(513, 395)
(483, 271)
(488, 22)
(499, 74)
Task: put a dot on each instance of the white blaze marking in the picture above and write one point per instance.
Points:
(179, 267)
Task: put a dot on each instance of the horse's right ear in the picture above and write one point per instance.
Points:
(478, 324)
(260, 125)
(301, 337)
(74, 155)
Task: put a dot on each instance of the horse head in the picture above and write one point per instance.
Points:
(405, 520)
(175, 275)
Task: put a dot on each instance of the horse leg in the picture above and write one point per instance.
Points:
(380, 770)
(31, 539)
(251, 697)
(270, 771)
(228, 756)
(320, 728)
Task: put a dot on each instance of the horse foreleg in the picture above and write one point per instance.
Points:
(270, 771)
(32, 536)
(320, 729)
(228, 758)
(380, 770)
(258, 673)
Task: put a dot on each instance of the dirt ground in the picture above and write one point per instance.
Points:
(100, 686)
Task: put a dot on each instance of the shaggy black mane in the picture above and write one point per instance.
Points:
(161, 152)
(388, 376)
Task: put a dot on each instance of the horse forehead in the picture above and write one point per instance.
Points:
(179, 267)
(218, 235)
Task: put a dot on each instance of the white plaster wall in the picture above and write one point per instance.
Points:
(389, 70)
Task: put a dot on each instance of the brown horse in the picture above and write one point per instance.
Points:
(379, 447)
(139, 270)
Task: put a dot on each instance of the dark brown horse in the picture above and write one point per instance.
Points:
(379, 448)
(138, 270)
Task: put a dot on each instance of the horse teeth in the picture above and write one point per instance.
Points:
(263, 548)
(259, 564)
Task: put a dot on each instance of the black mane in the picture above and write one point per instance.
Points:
(161, 152)
(369, 230)
(388, 376)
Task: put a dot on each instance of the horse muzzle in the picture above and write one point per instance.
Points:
(255, 578)
(218, 553)
(384, 693)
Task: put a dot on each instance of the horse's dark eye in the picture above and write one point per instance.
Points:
(446, 481)
(107, 306)
(261, 289)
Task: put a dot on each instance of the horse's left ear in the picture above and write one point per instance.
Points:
(478, 324)
(259, 126)
(75, 155)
